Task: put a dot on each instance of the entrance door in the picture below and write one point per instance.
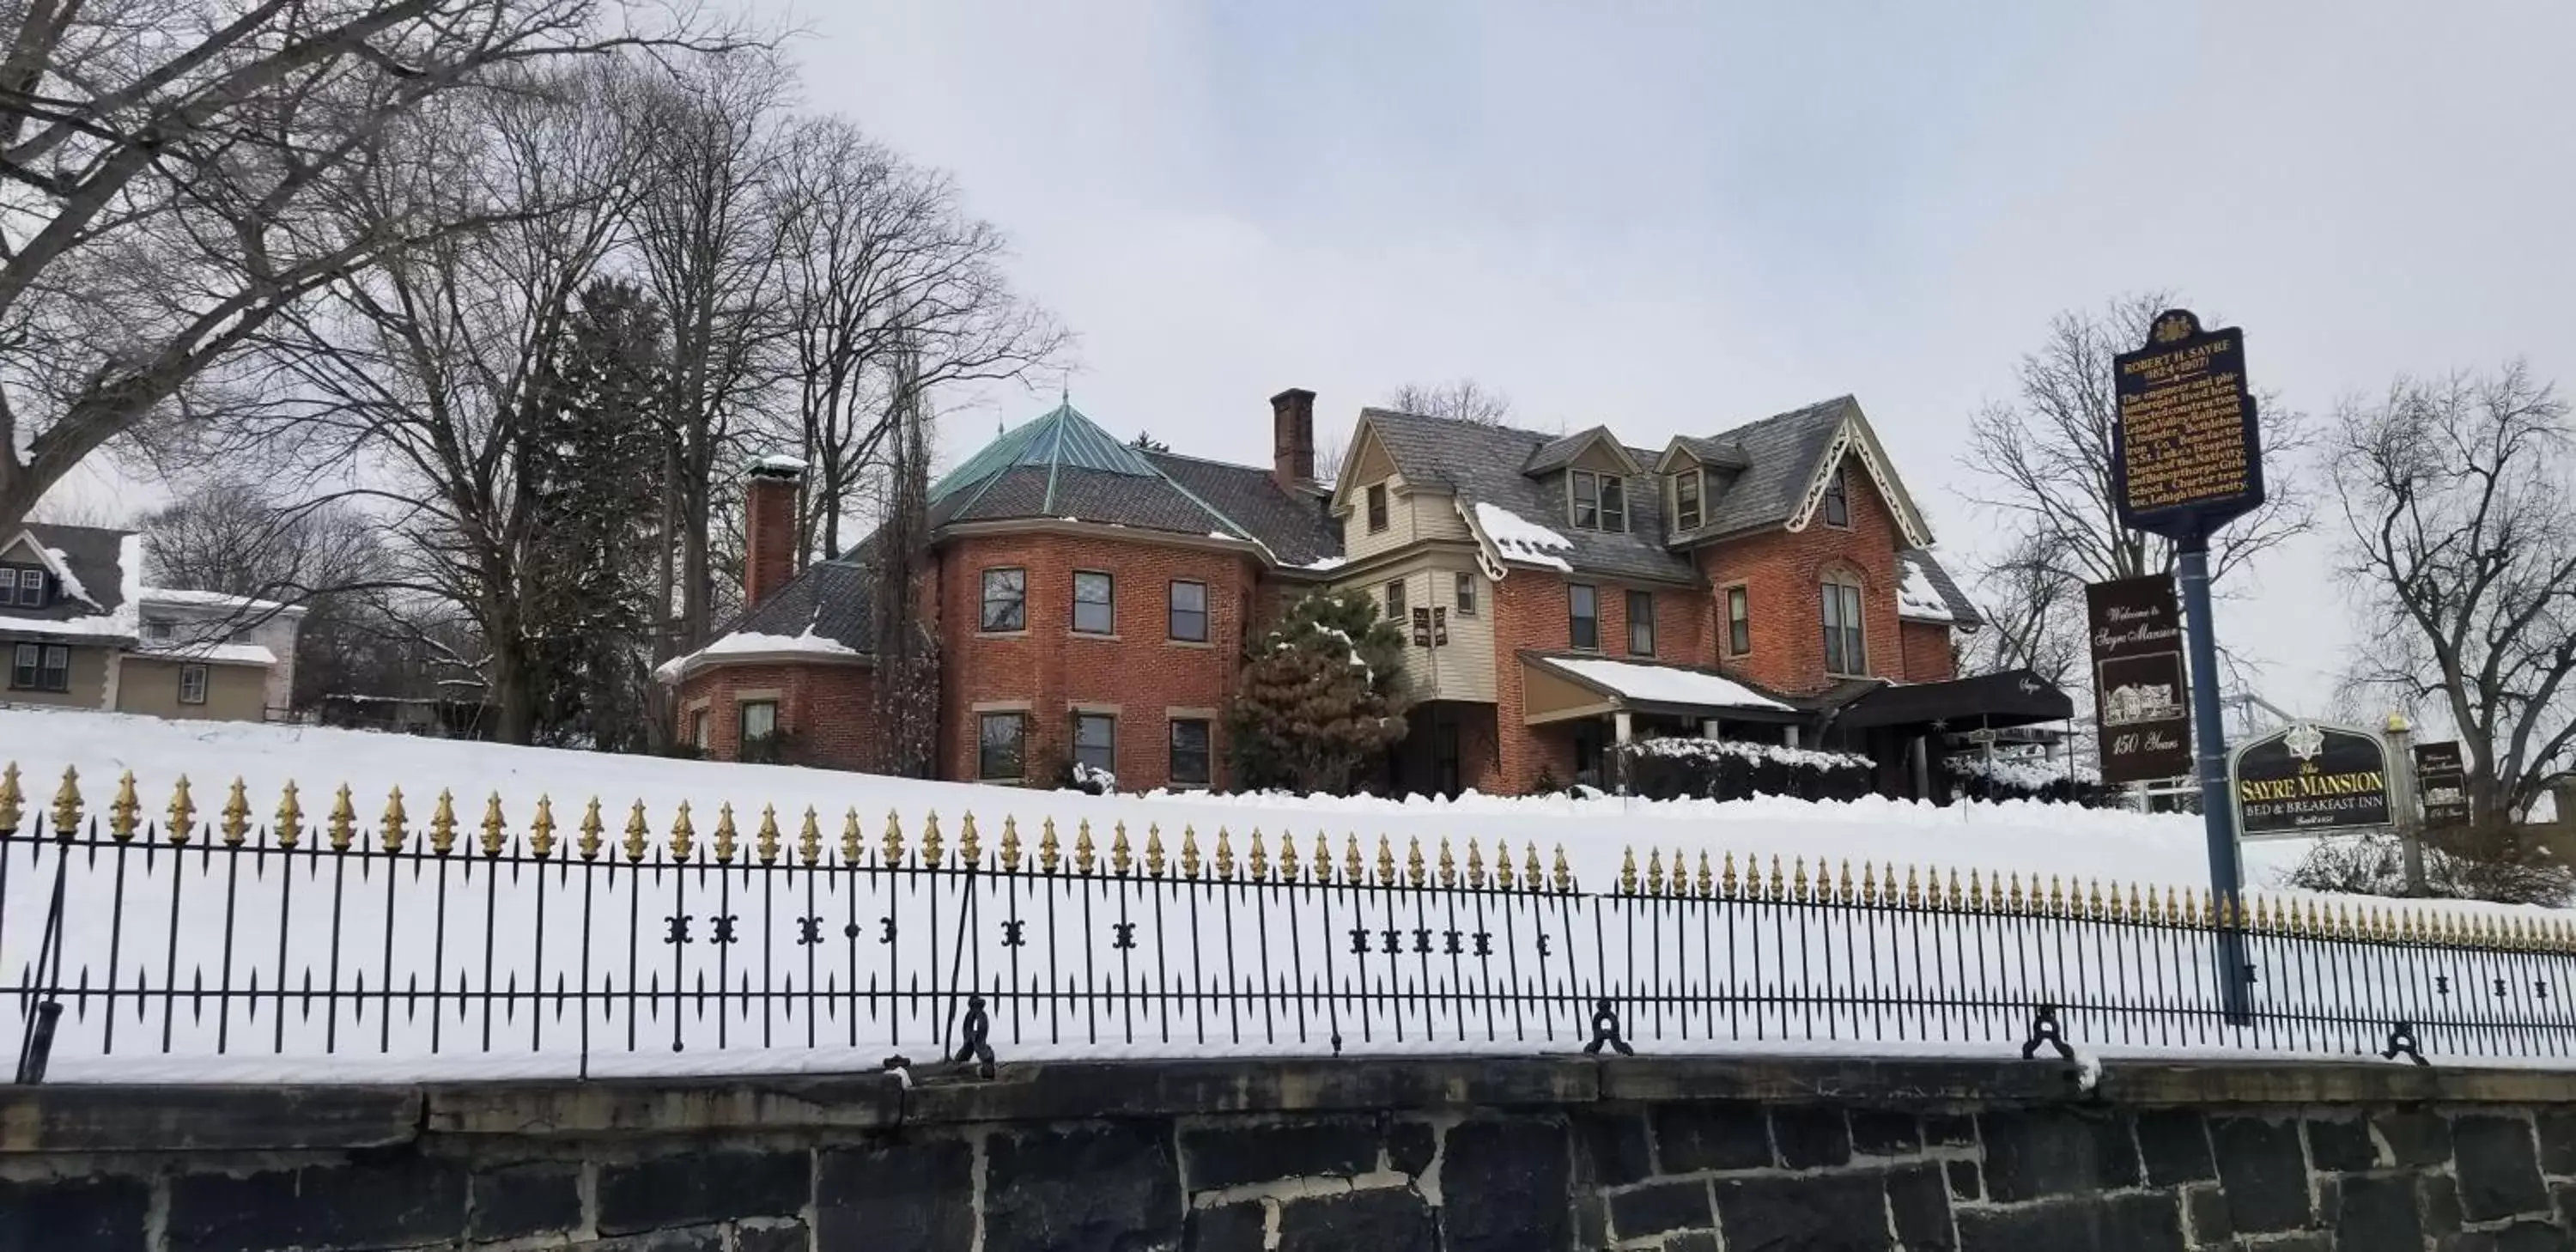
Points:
(1444, 755)
(1591, 740)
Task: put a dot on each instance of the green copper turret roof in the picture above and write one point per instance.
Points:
(1061, 439)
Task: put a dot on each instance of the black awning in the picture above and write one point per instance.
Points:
(1988, 701)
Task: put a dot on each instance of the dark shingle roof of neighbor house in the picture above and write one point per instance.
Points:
(832, 598)
(93, 556)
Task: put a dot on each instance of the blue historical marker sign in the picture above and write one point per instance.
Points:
(2186, 454)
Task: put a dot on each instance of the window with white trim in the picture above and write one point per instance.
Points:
(31, 589)
(1095, 741)
(1600, 501)
(1006, 601)
(1466, 593)
(1001, 742)
(1686, 499)
(1190, 755)
(1188, 618)
(1837, 502)
(1095, 609)
(1846, 649)
(192, 684)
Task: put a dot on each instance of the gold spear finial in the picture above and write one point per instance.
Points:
(1446, 865)
(1779, 887)
(892, 844)
(1727, 883)
(809, 837)
(493, 825)
(1189, 851)
(1290, 868)
(1843, 885)
(970, 847)
(12, 801)
(638, 831)
(1010, 844)
(683, 835)
(1082, 849)
(1533, 878)
(67, 804)
(1385, 862)
(854, 842)
(183, 812)
(290, 818)
(933, 855)
(343, 822)
(1564, 872)
(592, 828)
(1700, 886)
(1351, 871)
(1475, 863)
(724, 840)
(1503, 866)
(1153, 849)
(390, 828)
(1627, 871)
(1258, 860)
(1798, 886)
(236, 823)
(1050, 853)
(1913, 889)
(541, 828)
(1413, 875)
(124, 813)
(1654, 870)
(765, 843)
(442, 823)
(1122, 859)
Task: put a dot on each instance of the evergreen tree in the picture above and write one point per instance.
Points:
(590, 459)
(1320, 695)
(907, 653)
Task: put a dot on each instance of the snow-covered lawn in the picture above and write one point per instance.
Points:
(514, 966)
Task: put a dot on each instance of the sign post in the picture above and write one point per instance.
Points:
(2187, 458)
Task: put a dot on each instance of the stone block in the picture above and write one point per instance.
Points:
(689, 1188)
(1610, 1149)
(1382, 1219)
(690, 1239)
(2518, 1237)
(2557, 1143)
(774, 1237)
(2437, 1196)
(1223, 1228)
(2379, 1214)
(2340, 1146)
(1694, 1137)
(2414, 1137)
(1410, 1147)
(100, 1211)
(1811, 1138)
(2265, 1172)
(1876, 1133)
(2204, 1211)
(1110, 1186)
(1504, 1186)
(898, 1195)
(2497, 1166)
(2564, 1195)
(2129, 1223)
(2044, 1152)
(1821, 1213)
(1695, 1241)
(1659, 1208)
(2174, 1143)
(389, 1202)
(1964, 1184)
(1591, 1221)
(1918, 1201)
(515, 1201)
(1232, 1155)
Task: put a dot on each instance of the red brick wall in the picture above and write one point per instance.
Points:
(1927, 652)
(1783, 573)
(824, 707)
(1051, 668)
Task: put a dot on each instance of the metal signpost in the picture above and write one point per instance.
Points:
(2186, 459)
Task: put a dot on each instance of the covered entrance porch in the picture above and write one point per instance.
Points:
(1900, 726)
(1579, 709)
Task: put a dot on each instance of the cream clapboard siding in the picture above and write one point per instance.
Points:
(234, 693)
(1463, 670)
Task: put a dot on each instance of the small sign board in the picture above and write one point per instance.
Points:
(1422, 628)
(2186, 454)
(1440, 626)
(2310, 778)
(2140, 708)
(2442, 780)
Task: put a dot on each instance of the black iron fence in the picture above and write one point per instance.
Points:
(210, 946)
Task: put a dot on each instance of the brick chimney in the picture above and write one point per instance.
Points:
(1292, 438)
(769, 526)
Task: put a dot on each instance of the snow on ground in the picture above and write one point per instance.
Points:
(517, 967)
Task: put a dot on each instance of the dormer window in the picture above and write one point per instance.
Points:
(1837, 505)
(1376, 507)
(1600, 501)
(29, 586)
(1686, 505)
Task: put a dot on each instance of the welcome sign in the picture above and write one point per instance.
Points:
(2310, 778)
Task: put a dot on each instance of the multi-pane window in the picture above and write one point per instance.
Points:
(1686, 507)
(192, 684)
(1641, 623)
(698, 730)
(758, 725)
(1600, 501)
(1095, 741)
(1189, 752)
(1377, 508)
(41, 667)
(1094, 612)
(1006, 600)
(1395, 602)
(31, 588)
(1001, 741)
(1739, 621)
(1466, 593)
(1583, 611)
(1837, 504)
(1845, 652)
(1189, 615)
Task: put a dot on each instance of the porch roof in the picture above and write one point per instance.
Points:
(1988, 701)
(1557, 687)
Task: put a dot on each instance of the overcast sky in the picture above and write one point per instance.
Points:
(1694, 215)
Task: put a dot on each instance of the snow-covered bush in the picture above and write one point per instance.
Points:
(2020, 777)
(1724, 769)
(2374, 864)
(1093, 780)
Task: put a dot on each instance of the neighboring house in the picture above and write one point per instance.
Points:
(1567, 593)
(82, 631)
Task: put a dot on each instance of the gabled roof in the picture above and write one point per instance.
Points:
(825, 613)
(1557, 454)
(1482, 464)
(99, 578)
(1715, 453)
(1778, 456)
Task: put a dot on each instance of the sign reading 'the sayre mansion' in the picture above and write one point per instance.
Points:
(2309, 778)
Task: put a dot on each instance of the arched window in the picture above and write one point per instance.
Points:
(1846, 644)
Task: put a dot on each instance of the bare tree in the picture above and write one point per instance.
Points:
(878, 254)
(231, 535)
(2043, 465)
(2462, 550)
(907, 650)
(1465, 400)
(168, 170)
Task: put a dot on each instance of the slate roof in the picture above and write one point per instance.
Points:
(834, 598)
(1296, 526)
(1963, 611)
(92, 555)
(1556, 454)
(1483, 464)
(1779, 455)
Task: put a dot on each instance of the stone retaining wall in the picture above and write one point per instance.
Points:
(1435, 1155)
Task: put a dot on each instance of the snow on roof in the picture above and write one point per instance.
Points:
(213, 653)
(1666, 684)
(1520, 539)
(70, 581)
(118, 623)
(754, 643)
(779, 463)
(1917, 598)
(179, 598)
(1326, 562)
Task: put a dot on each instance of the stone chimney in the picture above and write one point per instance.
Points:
(1292, 439)
(769, 526)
